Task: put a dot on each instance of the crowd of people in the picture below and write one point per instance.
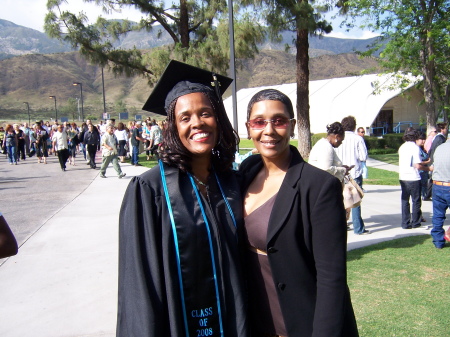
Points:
(344, 152)
(424, 173)
(67, 140)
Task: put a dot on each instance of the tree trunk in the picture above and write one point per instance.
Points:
(184, 24)
(302, 62)
(428, 70)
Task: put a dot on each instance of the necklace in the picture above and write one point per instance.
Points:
(199, 181)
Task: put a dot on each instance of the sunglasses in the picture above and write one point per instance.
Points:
(277, 123)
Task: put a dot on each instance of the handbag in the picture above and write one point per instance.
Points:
(352, 193)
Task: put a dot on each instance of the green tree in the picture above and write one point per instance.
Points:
(198, 30)
(418, 41)
(304, 17)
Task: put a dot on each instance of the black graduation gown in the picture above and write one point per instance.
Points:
(149, 293)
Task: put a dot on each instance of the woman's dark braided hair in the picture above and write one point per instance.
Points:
(174, 153)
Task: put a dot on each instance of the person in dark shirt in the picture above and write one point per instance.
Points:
(91, 140)
(135, 141)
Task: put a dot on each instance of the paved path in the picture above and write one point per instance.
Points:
(63, 282)
(32, 193)
(381, 165)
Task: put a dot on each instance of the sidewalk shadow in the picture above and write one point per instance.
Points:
(382, 222)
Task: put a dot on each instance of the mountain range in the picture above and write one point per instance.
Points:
(33, 67)
(17, 40)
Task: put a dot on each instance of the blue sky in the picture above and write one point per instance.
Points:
(31, 14)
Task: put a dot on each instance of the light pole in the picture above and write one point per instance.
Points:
(81, 88)
(78, 108)
(104, 100)
(28, 108)
(232, 65)
(56, 111)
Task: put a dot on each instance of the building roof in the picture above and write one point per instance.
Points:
(331, 100)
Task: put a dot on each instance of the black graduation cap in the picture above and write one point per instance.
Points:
(180, 79)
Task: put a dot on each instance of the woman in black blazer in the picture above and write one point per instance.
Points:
(296, 232)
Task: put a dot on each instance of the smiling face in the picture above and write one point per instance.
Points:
(196, 124)
(271, 142)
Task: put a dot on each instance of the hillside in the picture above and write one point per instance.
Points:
(34, 77)
(18, 40)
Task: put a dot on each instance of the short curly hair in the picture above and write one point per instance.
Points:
(335, 128)
(174, 153)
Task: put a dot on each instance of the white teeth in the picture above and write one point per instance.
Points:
(200, 135)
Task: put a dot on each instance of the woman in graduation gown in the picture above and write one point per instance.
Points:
(179, 269)
(295, 232)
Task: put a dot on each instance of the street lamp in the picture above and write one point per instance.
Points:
(81, 88)
(28, 107)
(56, 111)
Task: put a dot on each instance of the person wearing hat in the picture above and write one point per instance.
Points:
(179, 267)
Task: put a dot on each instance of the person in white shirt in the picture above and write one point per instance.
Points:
(109, 152)
(155, 139)
(352, 152)
(27, 131)
(59, 140)
(409, 164)
(323, 155)
(121, 134)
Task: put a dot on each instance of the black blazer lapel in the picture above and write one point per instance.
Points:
(288, 191)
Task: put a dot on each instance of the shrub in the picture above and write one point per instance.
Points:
(316, 137)
(382, 151)
(375, 143)
(394, 140)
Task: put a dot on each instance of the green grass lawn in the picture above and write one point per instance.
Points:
(400, 288)
(391, 158)
(381, 177)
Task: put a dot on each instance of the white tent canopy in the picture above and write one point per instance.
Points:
(333, 99)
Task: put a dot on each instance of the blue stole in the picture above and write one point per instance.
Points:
(195, 251)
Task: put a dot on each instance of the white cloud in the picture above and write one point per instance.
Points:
(354, 34)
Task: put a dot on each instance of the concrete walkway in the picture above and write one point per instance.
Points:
(63, 282)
